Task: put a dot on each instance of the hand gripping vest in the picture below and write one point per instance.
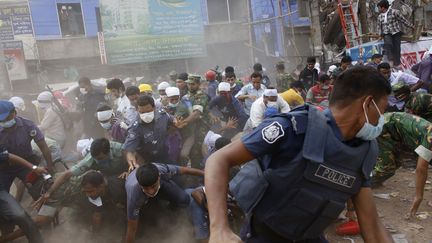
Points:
(308, 193)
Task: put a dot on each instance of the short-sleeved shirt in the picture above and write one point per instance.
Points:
(250, 90)
(412, 131)
(284, 147)
(292, 98)
(136, 198)
(116, 165)
(148, 139)
(17, 140)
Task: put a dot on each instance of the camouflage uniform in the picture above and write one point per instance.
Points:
(67, 195)
(420, 104)
(283, 81)
(401, 130)
(198, 101)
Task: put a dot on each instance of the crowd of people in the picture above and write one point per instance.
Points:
(146, 143)
(282, 156)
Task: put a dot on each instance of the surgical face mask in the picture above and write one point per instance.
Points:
(272, 104)
(325, 87)
(8, 124)
(83, 91)
(106, 125)
(173, 105)
(369, 131)
(147, 117)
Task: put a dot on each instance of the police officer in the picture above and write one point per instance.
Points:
(16, 135)
(11, 211)
(147, 136)
(313, 163)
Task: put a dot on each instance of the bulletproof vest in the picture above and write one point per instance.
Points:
(307, 193)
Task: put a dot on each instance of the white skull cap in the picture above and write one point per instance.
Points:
(224, 86)
(172, 91)
(18, 102)
(163, 86)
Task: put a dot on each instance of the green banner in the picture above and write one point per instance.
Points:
(151, 30)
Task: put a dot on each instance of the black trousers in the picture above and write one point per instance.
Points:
(11, 213)
(392, 47)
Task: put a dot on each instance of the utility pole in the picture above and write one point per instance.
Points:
(317, 50)
(282, 30)
(250, 26)
(363, 18)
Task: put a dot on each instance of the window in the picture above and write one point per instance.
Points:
(71, 19)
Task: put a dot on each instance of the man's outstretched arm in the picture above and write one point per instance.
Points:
(216, 183)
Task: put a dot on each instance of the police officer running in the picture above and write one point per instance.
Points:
(313, 163)
(147, 136)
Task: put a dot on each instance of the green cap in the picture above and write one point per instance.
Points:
(193, 78)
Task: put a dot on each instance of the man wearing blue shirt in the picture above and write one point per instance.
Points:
(251, 92)
(153, 182)
(313, 162)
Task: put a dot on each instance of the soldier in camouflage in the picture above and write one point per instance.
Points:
(409, 131)
(198, 119)
(283, 79)
(419, 104)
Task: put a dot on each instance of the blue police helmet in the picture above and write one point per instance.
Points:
(5, 109)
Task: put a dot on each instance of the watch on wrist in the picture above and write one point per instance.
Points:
(34, 167)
